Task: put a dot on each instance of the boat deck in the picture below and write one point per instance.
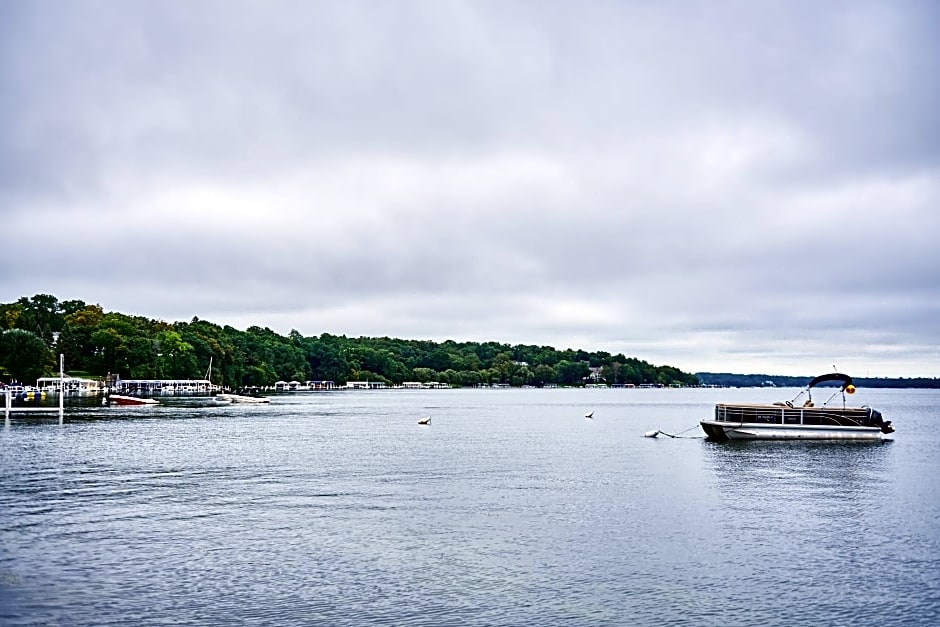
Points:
(786, 415)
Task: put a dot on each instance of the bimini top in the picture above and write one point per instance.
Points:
(832, 376)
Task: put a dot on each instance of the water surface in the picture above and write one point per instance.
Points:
(511, 508)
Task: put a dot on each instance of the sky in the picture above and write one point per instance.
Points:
(748, 187)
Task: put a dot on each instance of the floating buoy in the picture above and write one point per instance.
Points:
(656, 432)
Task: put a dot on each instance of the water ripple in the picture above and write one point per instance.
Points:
(510, 510)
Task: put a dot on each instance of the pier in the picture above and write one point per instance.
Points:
(8, 400)
(162, 387)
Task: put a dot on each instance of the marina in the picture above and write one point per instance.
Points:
(10, 392)
(309, 386)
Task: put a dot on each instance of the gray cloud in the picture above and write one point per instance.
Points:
(736, 186)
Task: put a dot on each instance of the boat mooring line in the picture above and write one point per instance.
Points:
(653, 434)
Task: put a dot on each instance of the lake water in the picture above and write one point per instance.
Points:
(511, 508)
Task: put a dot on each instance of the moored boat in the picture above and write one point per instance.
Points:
(129, 401)
(224, 399)
(788, 421)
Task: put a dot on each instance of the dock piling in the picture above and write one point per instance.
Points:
(8, 400)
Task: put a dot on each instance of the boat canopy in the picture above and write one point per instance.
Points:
(832, 376)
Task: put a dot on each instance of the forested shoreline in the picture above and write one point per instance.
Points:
(96, 343)
(727, 379)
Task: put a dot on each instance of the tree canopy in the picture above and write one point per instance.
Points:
(97, 343)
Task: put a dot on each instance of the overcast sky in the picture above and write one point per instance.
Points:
(718, 186)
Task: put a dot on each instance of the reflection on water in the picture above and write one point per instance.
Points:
(802, 485)
(824, 469)
(823, 516)
(511, 508)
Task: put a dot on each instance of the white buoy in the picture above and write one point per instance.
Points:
(651, 434)
(590, 414)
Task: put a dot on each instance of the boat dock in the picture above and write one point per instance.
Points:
(162, 387)
(8, 407)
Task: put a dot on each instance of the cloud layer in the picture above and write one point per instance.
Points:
(733, 187)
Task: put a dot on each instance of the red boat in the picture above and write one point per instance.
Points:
(128, 401)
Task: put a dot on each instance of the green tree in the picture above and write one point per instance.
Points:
(502, 363)
(438, 359)
(326, 360)
(424, 375)
(176, 358)
(10, 314)
(470, 378)
(261, 375)
(24, 356)
(543, 374)
(40, 315)
(450, 377)
(122, 345)
(99, 342)
(521, 375)
(75, 342)
(571, 372)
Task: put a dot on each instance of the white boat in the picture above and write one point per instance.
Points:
(129, 401)
(224, 399)
(789, 421)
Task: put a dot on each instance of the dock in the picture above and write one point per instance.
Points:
(8, 400)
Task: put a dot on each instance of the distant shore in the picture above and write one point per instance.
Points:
(724, 379)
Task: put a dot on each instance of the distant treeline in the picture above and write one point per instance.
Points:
(758, 380)
(96, 343)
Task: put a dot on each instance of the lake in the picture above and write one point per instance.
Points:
(511, 508)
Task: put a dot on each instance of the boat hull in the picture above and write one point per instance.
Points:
(224, 399)
(724, 431)
(130, 401)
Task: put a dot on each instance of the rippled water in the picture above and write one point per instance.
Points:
(510, 509)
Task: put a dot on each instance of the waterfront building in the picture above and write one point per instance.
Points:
(320, 385)
(74, 386)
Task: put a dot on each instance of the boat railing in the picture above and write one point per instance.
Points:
(785, 415)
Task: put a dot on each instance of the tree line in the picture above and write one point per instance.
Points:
(96, 343)
(727, 379)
